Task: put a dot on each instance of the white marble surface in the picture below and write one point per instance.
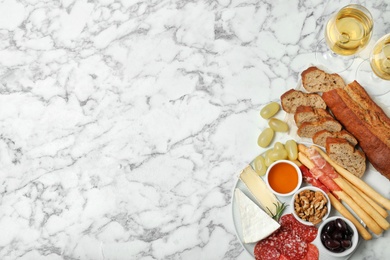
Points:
(123, 124)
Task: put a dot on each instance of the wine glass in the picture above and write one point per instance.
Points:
(346, 33)
(375, 71)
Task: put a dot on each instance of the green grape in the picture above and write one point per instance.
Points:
(267, 160)
(278, 125)
(292, 149)
(259, 165)
(276, 155)
(278, 146)
(270, 110)
(265, 138)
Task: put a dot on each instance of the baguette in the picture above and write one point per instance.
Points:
(365, 120)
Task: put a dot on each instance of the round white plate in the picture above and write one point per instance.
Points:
(371, 176)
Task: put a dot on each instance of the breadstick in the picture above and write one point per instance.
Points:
(344, 212)
(359, 183)
(378, 208)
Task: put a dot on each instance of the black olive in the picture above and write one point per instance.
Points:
(332, 244)
(337, 236)
(347, 236)
(338, 250)
(341, 225)
(346, 244)
(329, 227)
(325, 236)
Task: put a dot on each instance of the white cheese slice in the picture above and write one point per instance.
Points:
(259, 190)
(256, 224)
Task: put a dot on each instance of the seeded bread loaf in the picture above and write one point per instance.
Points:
(316, 80)
(309, 114)
(292, 99)
(365, 120)
(320, 137)
(308, 129)
(345, 155)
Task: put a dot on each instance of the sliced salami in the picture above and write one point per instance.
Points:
(266, 252)
(306, 233)
(282, 257)
(312, 252)
(292, 246)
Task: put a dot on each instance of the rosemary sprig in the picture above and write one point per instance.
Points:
(280, 207)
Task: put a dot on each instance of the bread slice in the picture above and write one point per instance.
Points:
(309, 114)
(316, 80)
(320, 137)
(345, 155)
(294, 98)
(308, 129)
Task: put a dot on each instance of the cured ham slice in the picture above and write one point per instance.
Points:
(323, 166)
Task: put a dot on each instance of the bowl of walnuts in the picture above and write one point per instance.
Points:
(311, 205)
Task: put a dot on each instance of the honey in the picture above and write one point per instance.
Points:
(283, 178)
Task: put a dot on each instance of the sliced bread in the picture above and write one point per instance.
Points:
(308, 129)
(316, 80)
(309, 114)
(320, 137)
(345, 155)
(294, 98)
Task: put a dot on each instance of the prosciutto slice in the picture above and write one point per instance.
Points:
(322, 170)
(321, 163)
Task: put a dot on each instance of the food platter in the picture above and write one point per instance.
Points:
(373, 178)
(237, 224)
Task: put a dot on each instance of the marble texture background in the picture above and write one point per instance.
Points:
(124, 123)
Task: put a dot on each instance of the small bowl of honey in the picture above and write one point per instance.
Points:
(283, 178)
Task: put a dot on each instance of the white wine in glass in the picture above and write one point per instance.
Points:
(374, 73)
(346, 33)
(380, 58)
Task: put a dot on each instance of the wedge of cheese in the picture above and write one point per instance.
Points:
(260, 191)
(256, 224)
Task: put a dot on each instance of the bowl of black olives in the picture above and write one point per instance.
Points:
(338, 236)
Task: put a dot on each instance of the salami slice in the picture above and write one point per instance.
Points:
(312, 253)
(266, 252)
(306, 233)
(282, 257)
(292, 246)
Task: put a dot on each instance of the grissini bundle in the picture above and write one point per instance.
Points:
(320, 161)
(371, 224)
(334, 201)
(328, 176)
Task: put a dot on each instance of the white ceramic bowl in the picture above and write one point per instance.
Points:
(313, 189)
(297, 170)
(355, 237)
